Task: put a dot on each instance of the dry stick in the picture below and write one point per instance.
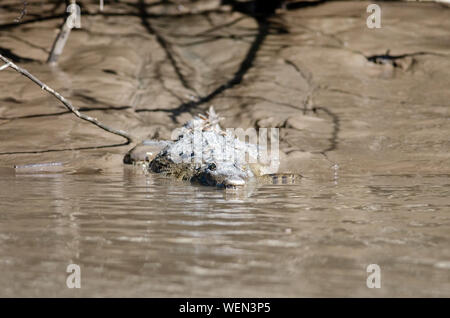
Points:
(60, 42)
(66, 103)
(63, 35)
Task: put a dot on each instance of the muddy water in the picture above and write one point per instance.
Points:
(371, 140)
(144, 235)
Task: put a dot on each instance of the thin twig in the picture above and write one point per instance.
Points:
(65, 102)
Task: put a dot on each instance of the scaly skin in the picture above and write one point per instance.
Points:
(177, 158)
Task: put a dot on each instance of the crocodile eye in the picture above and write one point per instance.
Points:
(212, 167)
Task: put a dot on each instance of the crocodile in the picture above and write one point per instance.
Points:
(202, 152)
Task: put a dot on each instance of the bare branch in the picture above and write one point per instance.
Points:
(64, 101)
(60, 42)
(72, 21)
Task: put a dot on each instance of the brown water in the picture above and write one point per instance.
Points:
(144, 235)
(371, 140)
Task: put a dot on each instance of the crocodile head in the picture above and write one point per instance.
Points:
(204, 153)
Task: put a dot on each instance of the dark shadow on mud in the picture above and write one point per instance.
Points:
(162, 42)
(260, 11)
(333, 140)
(246, 64)
(14, 57)
(266, 8)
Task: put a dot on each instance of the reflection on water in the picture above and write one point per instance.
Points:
(144, 235)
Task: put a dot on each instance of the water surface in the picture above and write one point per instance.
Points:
(137, 234)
